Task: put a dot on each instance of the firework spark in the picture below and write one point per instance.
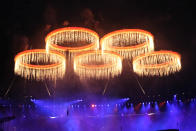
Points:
(40, 65)
(129, 43)
(158, 63)
(72, 40)
(97, 64)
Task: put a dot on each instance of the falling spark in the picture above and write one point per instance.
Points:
(97, 64)
(40, 65)
(158, 63)
(129, 43)
(72, 40)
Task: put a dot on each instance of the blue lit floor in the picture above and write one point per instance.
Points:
(185, 121)
(103, 118)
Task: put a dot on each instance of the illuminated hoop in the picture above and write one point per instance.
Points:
(97, 64)
(27, 64)
(72, 40)
(158, 63)
(129, 43)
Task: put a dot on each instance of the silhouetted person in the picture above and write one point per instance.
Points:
(67, 112)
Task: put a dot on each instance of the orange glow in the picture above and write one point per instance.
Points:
(90, 60)
(97, 64)
(161, 104)
(137, 107)
(157, 63)
(129, 43)
(56, 40)
(24, 68)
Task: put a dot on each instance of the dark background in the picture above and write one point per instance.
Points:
(170, 21)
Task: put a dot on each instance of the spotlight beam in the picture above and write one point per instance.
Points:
(47, 89)
(10, 86)
(138, 81)
(106, 86)
(140, 85)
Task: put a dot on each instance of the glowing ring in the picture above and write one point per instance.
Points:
(84, 66)
(25, 68)
(138, 41)
(158, 63)
(55, 40)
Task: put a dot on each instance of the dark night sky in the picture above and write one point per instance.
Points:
(171, 22)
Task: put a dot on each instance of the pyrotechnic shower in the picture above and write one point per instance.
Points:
(97, 64)
(39, 65)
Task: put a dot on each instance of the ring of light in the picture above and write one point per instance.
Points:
(25, 65)
(147, 44)
(93, 67)
(170, 63)
(71, 49)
